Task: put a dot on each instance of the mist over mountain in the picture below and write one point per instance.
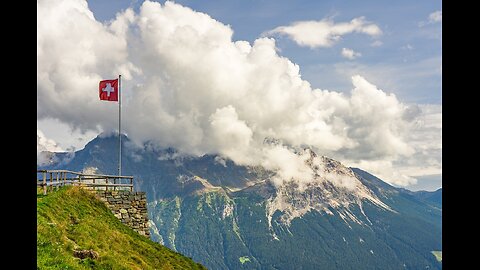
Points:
(228, 216)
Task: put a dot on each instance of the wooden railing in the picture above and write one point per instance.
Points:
(57, 178)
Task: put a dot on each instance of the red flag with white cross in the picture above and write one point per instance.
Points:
(108, 90)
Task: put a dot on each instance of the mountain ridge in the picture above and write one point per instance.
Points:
(218, 213)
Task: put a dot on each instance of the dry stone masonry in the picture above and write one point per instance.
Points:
(129, 207)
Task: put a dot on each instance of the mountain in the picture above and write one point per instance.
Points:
(233, 217)
(432, 197)
(72, 220)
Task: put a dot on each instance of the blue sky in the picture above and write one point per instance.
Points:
(377, 47)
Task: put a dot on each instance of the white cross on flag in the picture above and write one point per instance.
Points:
(108, 90)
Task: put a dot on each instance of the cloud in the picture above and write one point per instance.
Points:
(384, 170)
(221, 161)
(43, 145)
(435, 17)
(74, 52)
(230, 133)
(376, 43)
(350, 54)
(188, 85)
(407, 47)
(425, 136)
(324, 33)
(64, 135)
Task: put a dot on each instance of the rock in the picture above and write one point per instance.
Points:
(82, 254)
(123, 211)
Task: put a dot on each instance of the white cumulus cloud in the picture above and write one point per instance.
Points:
(350, 54)
(75, 52)
(425, 136)
(188, 85)
(325, 33)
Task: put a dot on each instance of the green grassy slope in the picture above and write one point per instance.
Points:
(72, 218)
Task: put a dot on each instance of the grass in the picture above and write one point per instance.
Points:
(244, 259)
(438, 255)
(73, 218)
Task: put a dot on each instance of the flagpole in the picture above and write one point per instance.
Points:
(119, 125)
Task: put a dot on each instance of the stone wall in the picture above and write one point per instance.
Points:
(129, 207)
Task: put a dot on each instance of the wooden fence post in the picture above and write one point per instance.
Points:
(106, 184)
(51, 181)
(44, 183)
(131, 183)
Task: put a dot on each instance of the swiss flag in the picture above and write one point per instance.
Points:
(108, 90)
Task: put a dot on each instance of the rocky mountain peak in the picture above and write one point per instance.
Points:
(334, 189)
